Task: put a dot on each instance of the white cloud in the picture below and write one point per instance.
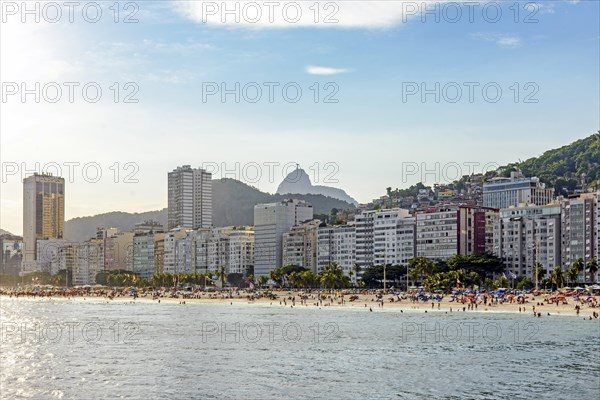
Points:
(364, 14)
(502, 40)
(313, 70)
(509, 41)
(546, 8)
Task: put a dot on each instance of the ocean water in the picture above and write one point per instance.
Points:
(75, 349)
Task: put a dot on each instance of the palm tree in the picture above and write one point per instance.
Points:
(262, 280)
(557, 277)
(572, 273)
(580, 265)
(593, 269)
(421, 266)
(538, 273)
(475, 278)
(295, 279)
(333, 277)
(276, 275)
(197, 278)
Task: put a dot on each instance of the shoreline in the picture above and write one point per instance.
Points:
(445, 306)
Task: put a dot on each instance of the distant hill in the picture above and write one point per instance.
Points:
(298, 181)
(234, 201)
(566, 168)
(233, 204)
(83, 228)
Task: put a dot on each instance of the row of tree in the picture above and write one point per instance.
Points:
(163, 279)
(332, 277)
(37, 278)
(457, 271)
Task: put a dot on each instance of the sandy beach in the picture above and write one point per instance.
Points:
(367, 302)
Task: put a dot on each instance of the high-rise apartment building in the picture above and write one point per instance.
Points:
(364, 223)
(189, 198)
(271, 221)
(146, 236)
(336, 245)
(579, 228)
(176, 251)
(393, 237)
(438, 233)
(300, 245)
(43, 213)
(231, 247)
(526, 235)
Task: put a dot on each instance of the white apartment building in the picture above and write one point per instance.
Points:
(527, 234)
(300, 245)
(238, 252)
(83, 260)
(189, 198)
(506, 192)
(336, 245)
(89, 262)
(67, 259)
(176, 251)
(393, 237)
(271, 221)
(231, 247)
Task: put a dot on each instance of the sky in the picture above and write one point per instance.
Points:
(362, 94)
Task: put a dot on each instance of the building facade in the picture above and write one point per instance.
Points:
(176, 249)
(437, 233)
(579, 228)
(118, 251)
(529, 234)
(189, 198)
(12, 254)
(145, 237)
(43, 214)
(364, 223)
(393, 237)
(300, 245)
(508, 192)
(336, 245)
(271, 222)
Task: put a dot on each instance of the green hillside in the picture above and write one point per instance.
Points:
(566, 168)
